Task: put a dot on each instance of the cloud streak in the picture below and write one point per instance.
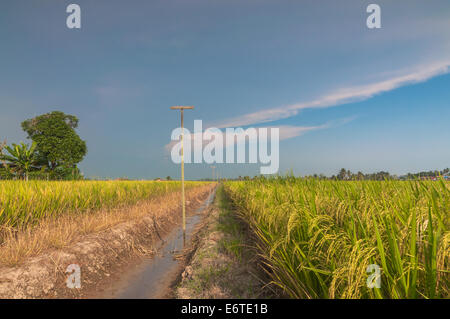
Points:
(339, 97)
(286, 132)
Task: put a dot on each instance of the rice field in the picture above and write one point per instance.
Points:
(24, 203)
(350, 239)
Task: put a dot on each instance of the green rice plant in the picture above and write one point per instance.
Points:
(318, 237)
(24, 203)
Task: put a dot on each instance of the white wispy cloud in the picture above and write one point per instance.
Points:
(338, 97)
(342, 96)
(285, 132)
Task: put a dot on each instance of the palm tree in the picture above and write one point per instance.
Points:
(360, 176)
(21, 158)
(342, 174)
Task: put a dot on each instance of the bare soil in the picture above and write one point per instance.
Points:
(222, 263)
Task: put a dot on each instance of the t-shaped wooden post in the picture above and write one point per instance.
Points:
(182, 108)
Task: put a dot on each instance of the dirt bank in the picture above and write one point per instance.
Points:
(98, 255)
(154, 277)
(222, 263)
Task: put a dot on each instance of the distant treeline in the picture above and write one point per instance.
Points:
(345, 174)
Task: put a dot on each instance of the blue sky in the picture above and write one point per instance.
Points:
(381, 96)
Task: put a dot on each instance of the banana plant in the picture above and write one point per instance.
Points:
(20, 158)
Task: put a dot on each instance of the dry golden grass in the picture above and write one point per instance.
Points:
(62, 231)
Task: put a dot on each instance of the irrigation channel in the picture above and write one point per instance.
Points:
(154, 276)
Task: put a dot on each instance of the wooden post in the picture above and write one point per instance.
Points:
(183, 202)
(182, 172)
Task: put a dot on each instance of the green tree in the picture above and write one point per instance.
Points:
(342, 174)
(21, 159)
(57, 142)
(4, 171)
(360, 176)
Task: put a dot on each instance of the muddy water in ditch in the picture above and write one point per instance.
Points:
(153, 277)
